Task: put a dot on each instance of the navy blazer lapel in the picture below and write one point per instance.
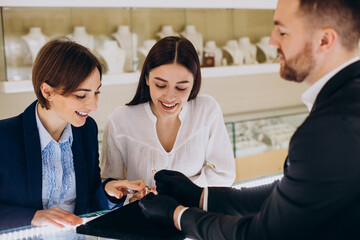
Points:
(337, 81)
(33, 156)
(81, 174)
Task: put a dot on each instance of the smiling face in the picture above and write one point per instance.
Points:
(170, 86)
(75, 107)
(294, 42)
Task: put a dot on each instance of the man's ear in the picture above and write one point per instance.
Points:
(327, 38)
(47, 91)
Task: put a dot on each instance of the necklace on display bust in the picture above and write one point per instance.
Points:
(113, 55)
(233, 49)
(195, 38)
(35, 39)
(166, 31)
(270, 52)
(127, 41)
(211, 48)
(80, 36)
(248, 49)
(147, 45)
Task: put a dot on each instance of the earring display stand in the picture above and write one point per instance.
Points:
(248, 49)
(128, 41)
(35, 39)
(80, 36)
(113, 55)
(232, 48)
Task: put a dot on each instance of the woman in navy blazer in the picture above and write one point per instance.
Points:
(66, 79)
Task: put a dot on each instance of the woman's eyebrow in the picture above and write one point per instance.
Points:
(86, 90)
(163, 80)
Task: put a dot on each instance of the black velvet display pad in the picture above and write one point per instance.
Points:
(128, 222)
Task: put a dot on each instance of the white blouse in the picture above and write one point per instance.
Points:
(202, 149)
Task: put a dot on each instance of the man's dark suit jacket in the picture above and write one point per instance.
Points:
(319, 195)
(21, 169)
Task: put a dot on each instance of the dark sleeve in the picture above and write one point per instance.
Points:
(317, 187)
(244, 202)
(15, 216)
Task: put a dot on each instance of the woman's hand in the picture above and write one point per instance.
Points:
(120, 188)
(139, 195)
(55, 216)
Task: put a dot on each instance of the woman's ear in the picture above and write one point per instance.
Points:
(47, 91)
(147, 80)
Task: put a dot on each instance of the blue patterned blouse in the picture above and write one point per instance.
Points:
(58, 174)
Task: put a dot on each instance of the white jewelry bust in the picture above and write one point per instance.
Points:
(144, 50)
(147, 45)
(195, 38)
(210, 47)
(128, 41)
(233, 49)
(270, 52)
(35, 39)
(248, 49)
(113, 55)
(80, 36)
(166, 31)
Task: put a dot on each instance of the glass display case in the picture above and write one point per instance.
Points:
(230, 37)
(260, 145)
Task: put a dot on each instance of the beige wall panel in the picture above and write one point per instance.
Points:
(254, 93)
(253, 23)
(147, 22)
(214, 25)
(52, 21)
(100, 21)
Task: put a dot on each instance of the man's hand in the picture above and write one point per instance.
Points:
(55, 216)
(159, 208)
(178, 186)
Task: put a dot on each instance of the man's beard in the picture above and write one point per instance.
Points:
(298, 68)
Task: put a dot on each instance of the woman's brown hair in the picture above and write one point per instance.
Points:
(166, 51)
(64, 65)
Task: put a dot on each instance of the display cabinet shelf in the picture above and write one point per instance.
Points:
(235, 4)
(131, 78)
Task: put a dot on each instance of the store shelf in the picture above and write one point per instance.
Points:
(131, 78)
(236, 4)
(228, 71)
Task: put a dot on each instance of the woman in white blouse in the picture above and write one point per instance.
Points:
(167, 126)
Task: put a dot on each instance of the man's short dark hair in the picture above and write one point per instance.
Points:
(341, 15)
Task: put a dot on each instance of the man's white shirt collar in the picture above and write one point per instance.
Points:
(309, 96)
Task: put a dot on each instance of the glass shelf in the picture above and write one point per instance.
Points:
(238, 22)
(256, 136)
(132, 78)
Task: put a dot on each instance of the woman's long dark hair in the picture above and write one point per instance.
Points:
(165, 51)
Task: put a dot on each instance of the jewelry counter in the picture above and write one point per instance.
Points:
(70, 233)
